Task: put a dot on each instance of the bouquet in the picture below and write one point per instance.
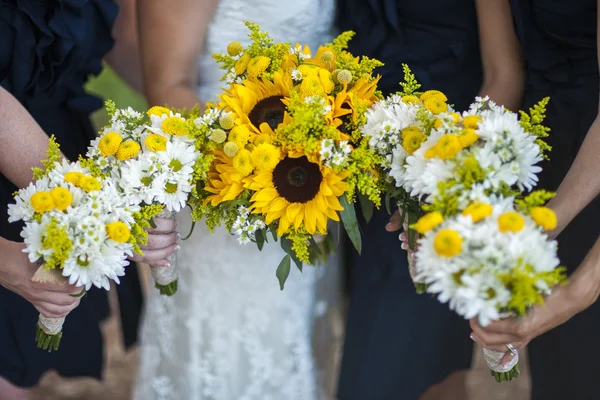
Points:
(491, 261)
(77, 227)
(286, 154)
(152, 160)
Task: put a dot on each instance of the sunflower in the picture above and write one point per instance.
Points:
(224, 180)
(298, 192)
(258, 100)
(345, 108)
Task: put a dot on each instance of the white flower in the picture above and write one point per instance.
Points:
(296, 75)
(174, 192)
(179, 158)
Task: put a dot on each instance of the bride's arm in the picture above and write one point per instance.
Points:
(171, 37)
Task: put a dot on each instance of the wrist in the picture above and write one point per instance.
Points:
(582, 292)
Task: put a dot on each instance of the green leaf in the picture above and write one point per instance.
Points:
(152, 223)
(314, 245)
(412, 234)
(260, 239)
(283, 271)
(388, 207)
(273, 230)
(366, 206)
(348, 216)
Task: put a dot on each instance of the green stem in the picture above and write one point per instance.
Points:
(420, 287)
(47, 342)
(168, 290)
(509, 376)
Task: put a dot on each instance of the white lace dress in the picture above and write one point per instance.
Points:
(229, 333)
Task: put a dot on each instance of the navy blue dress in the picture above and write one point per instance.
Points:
(560, 46)
(47, 51)
(399, 343)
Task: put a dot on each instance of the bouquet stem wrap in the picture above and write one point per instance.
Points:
(49, 330)
(501, 373)
(411, 217)
(166, 277)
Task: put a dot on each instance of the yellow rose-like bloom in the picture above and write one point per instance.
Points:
(242, 64)
(127, 150)
(412, 137)
(109, 144)
(428, 221)
(311, 85)
(478, 211)
(410, 99)
(218, 135)
(89, 184)
(436, 104)
(156, 142)
(447, 147)
(326, 80)
(511, 222)
(240, 135)
(118, 232)
(174, 126)
(242, 162)
(468, 137)
(62, 198)
(344, 76)
(74, 177)
(308, 70)
(447, 243)
(456, 117)
(265, 156)
(158, 111)
(433, 93)
(234, 48)
(257, 66)
(262, 138)
(471, 121)
(544, 217)
(41, 202)
(430, 152)
(437, 124)
(226, 121)
(231, 149)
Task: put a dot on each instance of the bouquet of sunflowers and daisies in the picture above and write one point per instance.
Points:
(286, 154)
(152, 160)
(77, 227)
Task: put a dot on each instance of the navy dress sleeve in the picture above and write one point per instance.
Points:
(47, 51)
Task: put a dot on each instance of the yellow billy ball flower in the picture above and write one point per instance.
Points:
(226, 121)
(127, 150)
(74, 177)
(447, 147)
(327, 57)
(109, 144)
(156, 142)
(410, 99)
(471, 121)
(89, 184)
(62, 198)
(478, 211)
(433, 93)
(436, 104)
(412, 137)
(511, 222)
(258, 65)
(447, 243)
(218, 135)
(42, 202)
(174, 126)
(118, 232)
(158, 111)
(242, 64)
(544, 217)
(231, 149)
(242, 162)
(234, 48)
(344, 76)
(428, 221)
(468, 137)
(265, 156)
(240, 134)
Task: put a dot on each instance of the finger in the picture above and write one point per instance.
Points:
(164, 225)
(162, 263)
(52, 311)
(152, 256)
(159, 241)
(487, 339)
(395, 223)
(404, 236)
(58, 299)
(404, 246)
(55, 287)
(509, 325)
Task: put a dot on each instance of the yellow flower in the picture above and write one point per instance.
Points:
(436, 104)
(447, 243)
(428, 221)
(234, 48)
(430, 152)
(311, 86)
(325, 58)
(156, 142)
(109, 144)
(262, 138)
(218, 135)
(447, 147)
(510, 222)
(118, 232)
(231, 149)
(174, 126)
(242, 162)
(471, 121)
(257, 66)
(89, 184)
(478, 211)
(326, 80)
(412, 137)
(240, 135)
(544, 217)
(224, 181)
(456, 117)
(437, 124)
(410, 99)
(41, 202)
(242, 64)
(308, 70)
(344, 76)
(74, 177)
(158, 111)
(62, 198)
(433, 93)
(226, 121)
(265, 156)
(127, 150)
(468, 137)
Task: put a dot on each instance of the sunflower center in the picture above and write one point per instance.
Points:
(269, 110)
(297, 180)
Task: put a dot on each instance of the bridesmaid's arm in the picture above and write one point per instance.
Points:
(171, 36)
(503, 69)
